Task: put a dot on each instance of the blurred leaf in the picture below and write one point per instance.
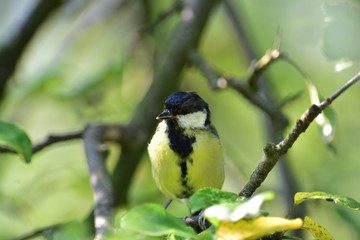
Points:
(340, 40)
(328, 126)
(175, 237)
(254, 228)
(73, 230)
(208, 234)
(210, 196)
(316, 230)
(237, 210)
(14, 137)
(350, 218)
(326, 120)
(153, 220)
(337, 199)
(87, 84)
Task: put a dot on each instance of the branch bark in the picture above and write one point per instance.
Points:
(12, 51)
(275, 128)
(96, 154)
(50, 140)
(219, 81)
(168, 68)
(274, 152)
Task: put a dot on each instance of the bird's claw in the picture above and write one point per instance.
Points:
(202, 220)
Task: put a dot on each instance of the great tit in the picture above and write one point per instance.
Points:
(185, 151)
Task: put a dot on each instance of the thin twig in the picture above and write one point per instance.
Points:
(219, 81)
(51, 139)
(274, 152)
(162, 16)
(336, 94)
(112, 133)
(258, 67)
(274, 127)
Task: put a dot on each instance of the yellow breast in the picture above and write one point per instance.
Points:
(204, 166)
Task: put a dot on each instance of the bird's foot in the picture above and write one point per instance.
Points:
(202, 221)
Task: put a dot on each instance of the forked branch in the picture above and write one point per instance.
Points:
(274, 152)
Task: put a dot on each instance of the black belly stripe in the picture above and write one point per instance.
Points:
(187, 189)
(183, 167)
(181, 144)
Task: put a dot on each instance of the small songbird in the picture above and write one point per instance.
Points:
(185, 151)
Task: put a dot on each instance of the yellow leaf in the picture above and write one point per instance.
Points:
(302, 196)
(316, 230)
(254, 228)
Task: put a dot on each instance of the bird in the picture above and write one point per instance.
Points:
(185, 151)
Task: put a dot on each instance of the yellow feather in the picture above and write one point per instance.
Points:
(205, 170)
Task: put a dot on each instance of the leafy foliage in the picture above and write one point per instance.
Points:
(93, 56)
(210, 196)
(14, 137)
(235, 211)
(255, 228)
(153, 220)
(232, 219)
(316, 230)
(326, 121)
(337, 199)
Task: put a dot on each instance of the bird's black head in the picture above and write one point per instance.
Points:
(183, 103)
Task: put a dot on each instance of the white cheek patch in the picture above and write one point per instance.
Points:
(192, 120)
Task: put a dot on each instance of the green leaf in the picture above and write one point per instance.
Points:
(210, 196)
(340, 40)
(153, 220)
(318, 232)
(326, 120)
(337, 199)
(208, 234)
(234, 211)
(14, 137)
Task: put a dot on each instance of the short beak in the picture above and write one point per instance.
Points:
(164, 115)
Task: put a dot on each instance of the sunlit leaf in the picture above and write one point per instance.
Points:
(210, 196)
(316, 230)
(153, 220)
(326, 120)
(341, 35)
(14, 137)
(235, 211)
(254, 228)
(337, 199)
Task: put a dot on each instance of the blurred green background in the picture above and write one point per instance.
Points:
(88, 64)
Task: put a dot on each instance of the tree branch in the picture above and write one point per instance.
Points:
(274, 152)
(168, 68)
(175, 7)
(275, 129)
(11, 52)
(219, 81)
(50, 140)
(96, 154)
(336, 94)
(93, 136)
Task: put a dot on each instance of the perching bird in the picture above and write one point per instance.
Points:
(185, 151)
